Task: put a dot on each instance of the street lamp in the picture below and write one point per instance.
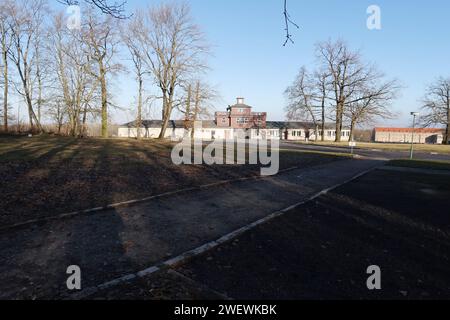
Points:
(318, 122)
(414, 114)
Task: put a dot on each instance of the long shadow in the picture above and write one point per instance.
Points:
(29, 154)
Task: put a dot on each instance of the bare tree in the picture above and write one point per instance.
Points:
(301, 97)
(26, 19)
(174, 50)
(197, 102)
(322, 82)
(375, 103)
(349, 78)
(437, 106)
(102, 41)
(307, 98)
(5, 39)
(133, 41)
(76, 88)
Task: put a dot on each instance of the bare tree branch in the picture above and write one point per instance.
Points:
(436, 104)
(288, 22)
(115, 9)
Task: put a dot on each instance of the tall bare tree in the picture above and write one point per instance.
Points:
(76, 88)
(100, 35)
(27, 18)
(350, 78)
(302, 98)
(197, 102)
(375, 103)
(322, 83)
(436, 104)
(133, 41)
(5, 39)
(307, 98)
(174, 50)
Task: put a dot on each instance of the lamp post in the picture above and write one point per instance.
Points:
(414, 114)
(318, 122)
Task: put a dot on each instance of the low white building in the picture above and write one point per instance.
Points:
(279, 130)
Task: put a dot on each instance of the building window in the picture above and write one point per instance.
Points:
(242, 120)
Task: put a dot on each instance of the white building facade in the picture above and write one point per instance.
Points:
(291, 131)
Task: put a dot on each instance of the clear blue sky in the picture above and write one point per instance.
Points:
(249, 59)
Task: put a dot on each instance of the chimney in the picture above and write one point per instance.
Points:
(240, 100)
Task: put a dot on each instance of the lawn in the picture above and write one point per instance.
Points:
(420, 164)
(431, 148)
(45, 176)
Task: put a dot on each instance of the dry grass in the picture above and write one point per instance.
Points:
(44, 176)
(420, 164)
(445, 149)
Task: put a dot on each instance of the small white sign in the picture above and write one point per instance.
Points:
(352, 144)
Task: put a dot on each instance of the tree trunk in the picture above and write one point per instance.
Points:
(447, 127)
(196, 106)
(32, 114)
(339, 116)
(187, 115)
(39, 102)
(323, 119)
(39, 79)
(167, 105)
(352, 128)
(104, 101)
(6, 88)
(139, 109)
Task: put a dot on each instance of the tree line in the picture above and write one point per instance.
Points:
(66, 74)
(351, 92)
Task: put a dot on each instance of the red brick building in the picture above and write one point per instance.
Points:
(240, 116)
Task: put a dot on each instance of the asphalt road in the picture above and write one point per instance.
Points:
(109, 244)
(368, 153)
(322, 249)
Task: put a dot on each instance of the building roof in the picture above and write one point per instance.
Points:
(240, 105)
(212, 124)
(410, 130)
(173, 124)
(155, 124)
(297, 125)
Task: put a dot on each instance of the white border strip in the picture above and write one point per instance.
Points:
(182, 258)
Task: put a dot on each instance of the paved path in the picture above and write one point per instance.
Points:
(109, 244)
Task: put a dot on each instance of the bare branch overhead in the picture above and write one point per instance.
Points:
(288, 22)
(114, 9)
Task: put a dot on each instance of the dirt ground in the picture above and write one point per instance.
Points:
(45, 176)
